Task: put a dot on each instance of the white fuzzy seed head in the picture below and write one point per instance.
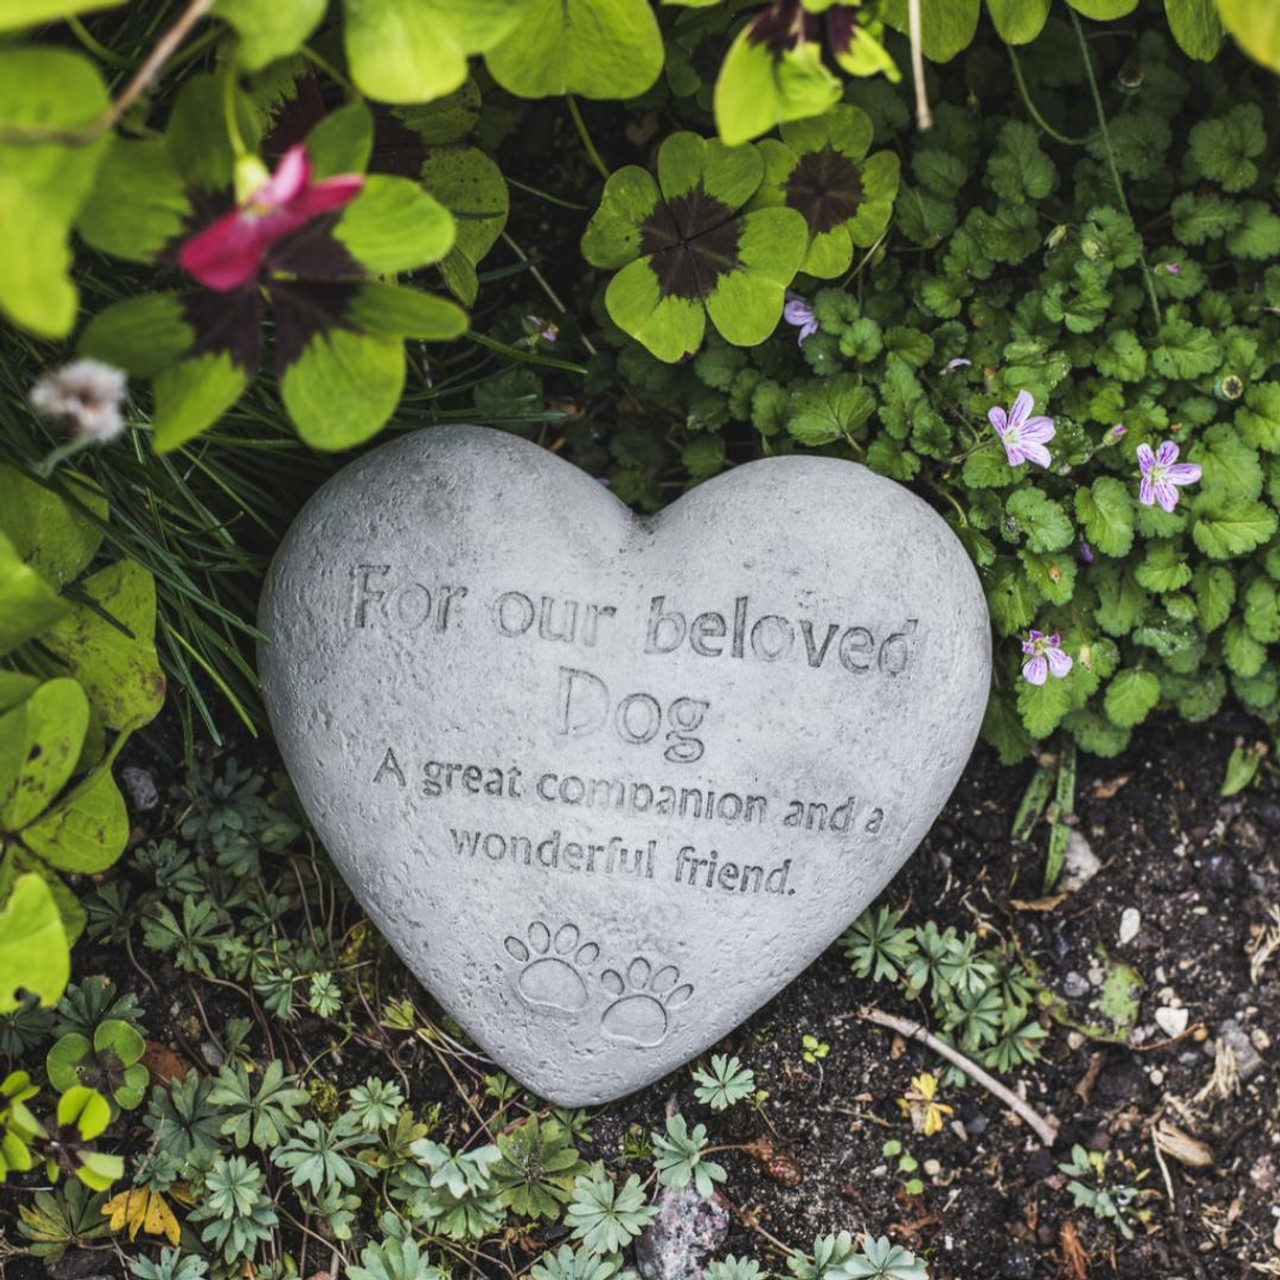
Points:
(83, 396)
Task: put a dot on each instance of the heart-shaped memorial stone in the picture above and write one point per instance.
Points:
(608, 783)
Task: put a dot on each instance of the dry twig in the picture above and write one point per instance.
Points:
(1044, 1130)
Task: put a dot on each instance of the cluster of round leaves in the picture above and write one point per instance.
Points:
(721, 232)
(1014, 263)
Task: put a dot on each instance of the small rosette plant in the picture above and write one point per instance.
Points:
(317, 241)
(686, 248)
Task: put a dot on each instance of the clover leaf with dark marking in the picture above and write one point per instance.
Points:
(339, 324)
(687, 249)
(822, 170)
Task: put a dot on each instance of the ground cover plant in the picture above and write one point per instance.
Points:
(1019, 256)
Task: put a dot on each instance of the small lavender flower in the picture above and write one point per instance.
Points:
(536, 327)
(958, 363)
(83, 396)
(799, 313)
(1162, 473)
(1044, 657)
(1114, 434)
(1086, 553)
(1170, 268)
(1023, 437)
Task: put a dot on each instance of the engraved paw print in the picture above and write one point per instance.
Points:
(551, 974)
(639, 1013)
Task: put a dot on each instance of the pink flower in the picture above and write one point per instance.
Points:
(1023, 437)
(1171, 268)
(229, 252)
(1045, 657)
(799, 313)
(1161, 473)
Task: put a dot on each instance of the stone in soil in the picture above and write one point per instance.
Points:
(687, 1228)
(607, 784)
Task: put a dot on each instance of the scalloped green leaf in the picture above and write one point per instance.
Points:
(87, 831)
(271, 30)
(1019, 21)
(592, 48)
(758, 86)
(35, 956)
(343, 387)
(43, 185)
(28, 604)
(115, 661)
(40, 741)
(416, 50)
(53, 536)
(393, 225)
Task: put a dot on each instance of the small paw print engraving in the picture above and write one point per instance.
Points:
(552, 968)
(640, 1012)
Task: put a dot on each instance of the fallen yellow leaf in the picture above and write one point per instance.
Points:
(141, 1209)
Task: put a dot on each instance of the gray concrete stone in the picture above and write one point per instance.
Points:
(605, 783)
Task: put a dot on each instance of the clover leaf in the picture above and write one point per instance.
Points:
(688, 249)
(339, 331)
(822, 170)
(771, 74)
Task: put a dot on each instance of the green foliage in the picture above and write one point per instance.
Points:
(688, 250)
(1092, 1188)
(727, 1082)
(236, 1208)
(90, 635)
(1034, 273)
(34, 956)
(837, 1257)
(69, 1217)
(110, 1062)
(981, 1000)
(679, 1157)
(602, 1215)
(539, 1166)
(261, 1114)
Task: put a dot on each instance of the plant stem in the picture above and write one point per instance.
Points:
(546, 195)
(543, 284)
(924, 117)
(96, 47)
(1046, 1132)
(141, 82)
(581, 125)
(1147, 279)
(1033, 111)
(323, 64)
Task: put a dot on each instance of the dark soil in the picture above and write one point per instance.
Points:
(1201, 871)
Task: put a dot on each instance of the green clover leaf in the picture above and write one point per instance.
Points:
(822, 170)
(688, 249)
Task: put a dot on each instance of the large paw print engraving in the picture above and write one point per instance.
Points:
(640, 1012)
(552, 969)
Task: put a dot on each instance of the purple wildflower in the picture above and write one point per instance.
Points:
(1086, 553)
(1170, 268)
(799, 313)
(1162, 473)
(1023, 437)
(1044, 657)
(1114, 434)
(958, 363)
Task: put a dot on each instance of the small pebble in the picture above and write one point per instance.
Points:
(1130, 923)
(1075, 985)
(1173, 1022)
(141, 786)
(1079, 865)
